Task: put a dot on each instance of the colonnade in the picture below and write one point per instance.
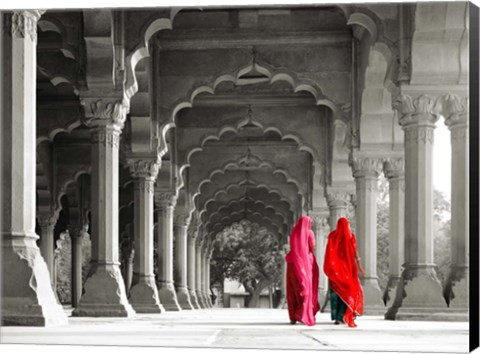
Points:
(31, 301)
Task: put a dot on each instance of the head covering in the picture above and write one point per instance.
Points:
(301, 259)
(340, 266)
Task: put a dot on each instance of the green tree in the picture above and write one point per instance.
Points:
(248, 254)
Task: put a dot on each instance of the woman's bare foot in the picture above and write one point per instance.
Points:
(293, 322)
(337, 322)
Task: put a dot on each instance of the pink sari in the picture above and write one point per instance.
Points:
(302, 274)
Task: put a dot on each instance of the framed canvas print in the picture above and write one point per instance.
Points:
(264, 176)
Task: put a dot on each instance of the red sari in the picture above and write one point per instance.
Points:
(342, 270)
(302, 274)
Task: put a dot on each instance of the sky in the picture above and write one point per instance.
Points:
(442, 159)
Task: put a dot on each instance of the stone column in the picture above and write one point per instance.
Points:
(366, 171)
(166, 290)
(47, 224)
(105, 293)
(76, 235)
(455, 110)
(419, 293)
(208, 257)
(338, 205)
(321, 230)
(180, 228)
(128, 271)
(394, 171)
(144, 295)
(282, 304)
(27, 297)
(203, 284)
(191, 270)
(199, 274)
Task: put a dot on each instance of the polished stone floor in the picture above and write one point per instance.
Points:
(249, 328)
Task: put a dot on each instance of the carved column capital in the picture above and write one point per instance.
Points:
(182, 220)
(421, 110)
(76, 231)
(104, 111)
(455, 110)
(320, 219)
(166, 199)
(21, 24)
(143, 168)
(394, 167)
(47, 219)
(338, 199)
(365, 166)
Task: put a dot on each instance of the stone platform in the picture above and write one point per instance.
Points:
(245, 329)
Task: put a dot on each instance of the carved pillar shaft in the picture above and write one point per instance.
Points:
(143, 293)
(418, 122)
(419, 193)
(199, 273)
(394, 171)
(183, 295)
(168, 298)
(143, 227)
(47, 224)
(366, 171)
(27, 297)
(460, 195)
(76, 233)
(456, 288)
(337, 205)
(206, 283)
(191, 271)
(128, 271)
(321, 230)
(105, 293)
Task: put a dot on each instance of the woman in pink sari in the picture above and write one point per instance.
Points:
(302, 274)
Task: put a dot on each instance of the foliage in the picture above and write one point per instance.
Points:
(442, 234)
(248, 254)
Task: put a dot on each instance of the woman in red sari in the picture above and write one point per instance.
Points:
(341, 268)
(302, 274)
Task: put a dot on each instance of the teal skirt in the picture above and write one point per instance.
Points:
(337, 306)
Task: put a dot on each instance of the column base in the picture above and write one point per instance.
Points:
(391, 290)
(168, 297)
(194, 300)
(27, 295)
(372, 295)
(183, 298)
(201, 302)
(456, 291)
(418, 296)
(105, 294)
(144, 296)
(208, 301)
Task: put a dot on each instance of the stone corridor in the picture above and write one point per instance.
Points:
(248, 328)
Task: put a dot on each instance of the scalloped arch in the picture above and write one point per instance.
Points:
(236, 202)
(276, 75)
(237, 185)
(50, 23)
(222, 171)
(51, 135)
(63, 189)
(141, 50)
